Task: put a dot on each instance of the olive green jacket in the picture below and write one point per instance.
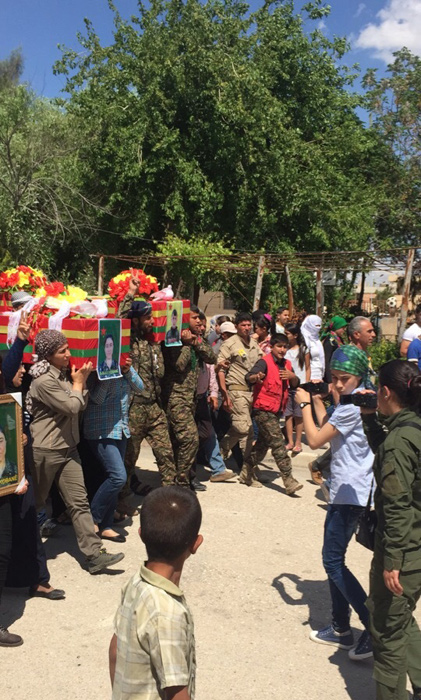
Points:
(397, 470)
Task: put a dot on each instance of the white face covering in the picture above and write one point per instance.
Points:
(310, 329)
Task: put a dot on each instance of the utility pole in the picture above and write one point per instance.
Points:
(259, 282)
(405, 292)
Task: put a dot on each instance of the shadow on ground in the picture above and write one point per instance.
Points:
(315, 595)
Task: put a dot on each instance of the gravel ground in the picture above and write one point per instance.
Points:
(256, 588)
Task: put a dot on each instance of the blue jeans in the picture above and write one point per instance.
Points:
(111, 453)
(212, 454)
(345, 590)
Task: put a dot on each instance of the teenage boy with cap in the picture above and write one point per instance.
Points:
(147, 419)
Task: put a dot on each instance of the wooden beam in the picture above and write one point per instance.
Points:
(101, 276)
(319, 292)
(290, 292)
(259, 282)
(405, 292)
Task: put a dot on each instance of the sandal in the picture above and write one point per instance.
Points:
(289, 447)
(119, 517)
(296, 451)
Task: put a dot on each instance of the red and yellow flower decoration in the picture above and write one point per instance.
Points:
(22, 277)
(119, 285)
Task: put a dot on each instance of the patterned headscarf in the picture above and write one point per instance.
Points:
(47, 342)
(351, 359)
(139, 309)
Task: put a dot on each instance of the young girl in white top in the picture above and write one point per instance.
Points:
(299, 357)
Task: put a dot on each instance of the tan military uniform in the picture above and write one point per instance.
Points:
(242, 358)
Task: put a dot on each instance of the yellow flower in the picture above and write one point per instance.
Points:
(74, 294)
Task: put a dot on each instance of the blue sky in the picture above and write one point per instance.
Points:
(375, 28)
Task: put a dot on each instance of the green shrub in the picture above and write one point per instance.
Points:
(383, 351)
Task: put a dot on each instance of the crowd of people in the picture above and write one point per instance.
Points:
(219, 394)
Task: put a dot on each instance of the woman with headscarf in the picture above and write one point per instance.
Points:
(55, 404)
(351, 484)
(332, 339)
(310, 330)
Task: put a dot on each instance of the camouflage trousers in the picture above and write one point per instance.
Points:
(241, 429)
(149, 421)
(184, 437)
(270, 436)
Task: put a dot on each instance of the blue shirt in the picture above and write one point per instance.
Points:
(107, 412)
(352, 460)
(414, 351)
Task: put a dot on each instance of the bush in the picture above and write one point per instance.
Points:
(383, 351)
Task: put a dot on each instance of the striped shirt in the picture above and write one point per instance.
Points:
(155, 639)
(107, 412)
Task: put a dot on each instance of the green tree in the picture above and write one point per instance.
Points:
(202, 120)
(395, 109)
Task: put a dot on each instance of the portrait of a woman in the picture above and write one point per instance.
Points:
(109, 365)
(8, 470)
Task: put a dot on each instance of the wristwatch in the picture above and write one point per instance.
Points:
(304, 403)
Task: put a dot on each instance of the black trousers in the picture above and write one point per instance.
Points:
(28, 562)
(5, 538)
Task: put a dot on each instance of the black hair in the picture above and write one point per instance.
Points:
(242, 316)
(202, 316)
(2, 388)
(223, 319)
(280, 309)
(418, 309)
(263, 322)
(257, 314)
(3, 430)
(295, 329)
(404, 379)
(109, 335)
(278, 338)
(194, 308)
(170, 520)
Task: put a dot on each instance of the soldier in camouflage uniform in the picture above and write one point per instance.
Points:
(147, 418)
(271, 376)
(182, 366)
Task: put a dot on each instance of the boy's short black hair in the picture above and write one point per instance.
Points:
(170, 520)
(242, 316)
(278, 338)
(194, 308)
(174, 312)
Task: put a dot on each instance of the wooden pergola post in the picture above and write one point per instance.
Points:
(405, 292)
(101, 276)
(319, 292)
(259, 282)
(290, 292)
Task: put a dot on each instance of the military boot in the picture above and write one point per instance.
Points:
(291, 485)
(248, 477)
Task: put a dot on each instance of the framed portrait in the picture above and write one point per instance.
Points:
(109, 348)
(174, 323)
(11, 447)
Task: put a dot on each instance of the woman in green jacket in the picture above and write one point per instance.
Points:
(395, 577)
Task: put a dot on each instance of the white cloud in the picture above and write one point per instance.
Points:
(398, 25)
(321, 25)
(360, 9)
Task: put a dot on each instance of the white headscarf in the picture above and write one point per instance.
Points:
(310, 329)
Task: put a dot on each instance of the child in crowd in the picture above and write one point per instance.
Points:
(299, 357)
(271, 377)
(351, 483)
(152, 653)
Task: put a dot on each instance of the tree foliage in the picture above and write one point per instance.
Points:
(203, 120)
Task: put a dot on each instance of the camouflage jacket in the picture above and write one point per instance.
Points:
(182, 367)
(147, 361)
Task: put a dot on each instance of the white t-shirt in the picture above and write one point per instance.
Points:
(412, 332)
(292, 356)
(352, 460)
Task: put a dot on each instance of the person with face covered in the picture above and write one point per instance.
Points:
(147, 419)
(55, 404)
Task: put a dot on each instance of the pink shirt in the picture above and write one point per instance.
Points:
(207, 381)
